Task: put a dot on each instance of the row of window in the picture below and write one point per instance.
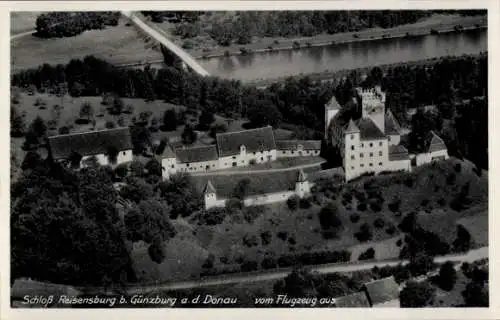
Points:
(371, 145)
(370, 164)
(361, 155)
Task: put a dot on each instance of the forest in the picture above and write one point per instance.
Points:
(244, 25)
(69, 24)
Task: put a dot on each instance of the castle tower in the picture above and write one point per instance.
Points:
(302, 186)
(210, 195)
(351, 151)
(331, 110)
(168, 163)
(373, 105)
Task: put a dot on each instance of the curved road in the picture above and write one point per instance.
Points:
(161, 38)
(470, 256)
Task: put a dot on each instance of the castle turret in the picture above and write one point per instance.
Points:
(210, 195)
(351, 149)
(373, 105)
(302, 186)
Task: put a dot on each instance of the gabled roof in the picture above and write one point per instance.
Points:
(209, 188)
(196, 154)
(434, 142)
(294, 144)
(333, 103)
(369, 130)
(391, 125)
(354, 300)
(398, 152)
(351, 127)
(90, 143)
(301, 177)
(168, 152)
(382, 290)
(254, 140)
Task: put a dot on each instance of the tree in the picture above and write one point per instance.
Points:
(329, 217)
(180, 192)
(205, 120)
(364, 234)
(299, 283)
(86, 111)
(416, 295)
(217, 128)
(38, 127)
(463, 241)
(447, 276)
(293, 202)
(170, 120)
(476, 295)
(136, 189)
(149, 220)
(367, 255)
(31, 160)
(156, 251)
(153, 167)
(109, 124)
(189, 136)
(420, 264)
(17, 125)
(241, 189)
(263, 114)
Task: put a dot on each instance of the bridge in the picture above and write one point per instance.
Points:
(162, 38)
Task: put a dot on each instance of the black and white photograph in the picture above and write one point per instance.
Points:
(249, 158)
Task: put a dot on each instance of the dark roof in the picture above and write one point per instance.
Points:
(294, 144)
(434, 142)
(168, 152)
(209, 188)
(382, 290)
(23, 287)
(325, 174)
(369, 130)
(354, 300)
(90, 143)
(391, 124)
(398, 152)
(196, 154)
(254, 140)
(351, 127)
(333, 103)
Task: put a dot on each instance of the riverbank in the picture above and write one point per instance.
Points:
(331, 75)
(436, 23)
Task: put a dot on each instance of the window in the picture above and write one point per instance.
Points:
(371, 154)
(362, 145)
(380, 153)
(352, 147)
(361, 165)
(124, 153)
(389, 138)
(234, 157)
(352, 168)
(371, 144)
(361, 155)
(261, 158)
(173, 166)
(352, 137)
(371, 164)
(187, 165)
(380, 163)
(352, 157)
(234, 164)
(380, 143)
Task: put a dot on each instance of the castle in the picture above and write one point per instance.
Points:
(371, 144)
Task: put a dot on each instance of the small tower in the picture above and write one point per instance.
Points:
(331, 110)
(351, 152)
(209, 195)
(168, 163)
(302, 186)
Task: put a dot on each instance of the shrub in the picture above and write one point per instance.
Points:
(121, 170)
(451, 179)
(305, 203)
(375, 206)
(268, 263)
(276, 42)
(252, 213)
(424, 202)
(447, 276)
(209, 261)
(244, 51)
(457, 167)
(266, 237)
(379, 223)
(399, 243)
(367, 255)
(296, 45)
(282, 235)
(109, 124)
(362, 206)
(390, 230)
(354, 218)
(292, 202)
(250, 240)
(395, 205)
(187, 44)
(364, 234)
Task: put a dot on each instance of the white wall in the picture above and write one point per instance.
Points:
(369, 156)
(244, 158)
(197, 166)
(102, 159)
(399, 165)
(394, 139)
(296, 153)
(423, 158)
(268, 198)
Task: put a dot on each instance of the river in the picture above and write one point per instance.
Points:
(271, 65)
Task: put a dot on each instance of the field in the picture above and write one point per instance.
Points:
(22, 22)
(236, 240)
(119, 45)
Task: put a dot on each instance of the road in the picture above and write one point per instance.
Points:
(20, 35)
(161, 38)
(470, 256)
(233, 172)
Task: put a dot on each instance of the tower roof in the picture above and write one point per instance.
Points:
(209, 188)
(351, 127)
(333, 104)
(301, 177)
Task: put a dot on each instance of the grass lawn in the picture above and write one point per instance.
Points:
(119, 45)
(22, 21)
